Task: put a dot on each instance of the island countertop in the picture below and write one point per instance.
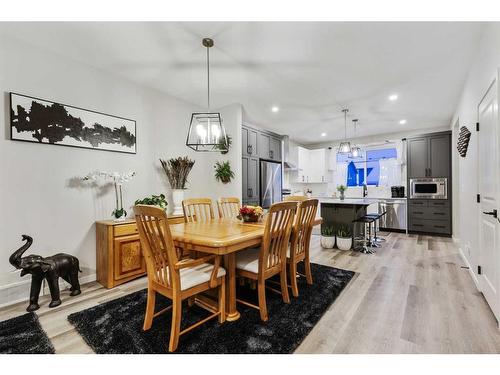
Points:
(349, 201)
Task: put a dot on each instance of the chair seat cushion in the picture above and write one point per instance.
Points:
(200, 274)
(248, 260)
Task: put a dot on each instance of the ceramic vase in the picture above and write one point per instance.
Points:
(177, 198)
(327, 242)
(344, 243)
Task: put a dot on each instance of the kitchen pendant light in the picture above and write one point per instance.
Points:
(355, 150)
(206, 132)
(345, 146)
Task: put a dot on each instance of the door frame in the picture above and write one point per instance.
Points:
(479, 211)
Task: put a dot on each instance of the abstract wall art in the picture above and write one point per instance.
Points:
(42, 121)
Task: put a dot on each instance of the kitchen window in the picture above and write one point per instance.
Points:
(376, 167)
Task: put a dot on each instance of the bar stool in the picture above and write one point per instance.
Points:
(363, 240)
(376, 239)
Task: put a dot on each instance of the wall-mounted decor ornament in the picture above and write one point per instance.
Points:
(223, 172)
(463, 141)
(50, 269)
(119, 179)
(43, 121)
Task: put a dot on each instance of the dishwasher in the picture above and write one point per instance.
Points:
(395, 217)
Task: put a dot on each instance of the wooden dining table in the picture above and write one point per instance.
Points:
(224, 237)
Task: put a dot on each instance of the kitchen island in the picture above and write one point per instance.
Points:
(341, 212)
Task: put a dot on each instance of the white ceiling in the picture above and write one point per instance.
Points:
(310, 70)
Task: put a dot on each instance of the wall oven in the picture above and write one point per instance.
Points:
(429, 188)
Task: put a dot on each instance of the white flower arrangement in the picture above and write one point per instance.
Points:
(118, 180)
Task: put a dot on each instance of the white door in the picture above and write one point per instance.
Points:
(489, 258)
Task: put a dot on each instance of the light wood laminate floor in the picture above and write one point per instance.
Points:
(412, 296)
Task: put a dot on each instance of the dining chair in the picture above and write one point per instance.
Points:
(198, 210)
(300, 241)
(295, 198)
(228, 207)
(173, 278)
(270, 258)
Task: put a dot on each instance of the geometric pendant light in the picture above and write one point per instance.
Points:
(345, 146)
(355, 150)
(206, 132)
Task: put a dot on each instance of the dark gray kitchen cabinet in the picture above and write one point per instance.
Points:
(249, 141)
(275, 149)
(269, 147)
(264, 145)
(440, 156)
(418, 155)
(250, 179)
(429, 156)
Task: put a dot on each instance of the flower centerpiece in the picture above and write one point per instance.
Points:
(119, 179)
(250, 214)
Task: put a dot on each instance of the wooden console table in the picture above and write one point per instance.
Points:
(118, 251)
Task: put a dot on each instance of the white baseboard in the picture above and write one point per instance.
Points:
(18, 291)
(467, 264)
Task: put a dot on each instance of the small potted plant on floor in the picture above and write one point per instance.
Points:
(154, 200)
(344, 238)
(327, 237)
(341, 189)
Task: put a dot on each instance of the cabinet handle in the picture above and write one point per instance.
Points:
(250, 192)
(418, 212)
(439, 213)
(417, 225)
(250, 149)
(271, 154)
(303, 178)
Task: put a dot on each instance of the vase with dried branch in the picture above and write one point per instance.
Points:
(177, 171)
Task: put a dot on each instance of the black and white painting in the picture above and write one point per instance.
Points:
(43, 121)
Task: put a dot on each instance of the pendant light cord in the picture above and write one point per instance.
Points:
(208, 78)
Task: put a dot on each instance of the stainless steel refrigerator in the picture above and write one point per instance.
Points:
(270, 183)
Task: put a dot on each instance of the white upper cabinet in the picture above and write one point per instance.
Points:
(312, 166)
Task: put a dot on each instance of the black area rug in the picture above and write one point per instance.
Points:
(24, 335)
(116, 326)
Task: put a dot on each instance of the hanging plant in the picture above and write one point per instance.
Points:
(224, 144)
(223, 172)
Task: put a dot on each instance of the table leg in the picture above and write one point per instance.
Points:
(230, 266)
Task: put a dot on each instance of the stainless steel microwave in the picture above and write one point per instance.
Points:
(429, 188)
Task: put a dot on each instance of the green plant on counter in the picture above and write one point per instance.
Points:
(341, 188)
(154, 200)
(327, 231)
(344, 232)
(223, 172)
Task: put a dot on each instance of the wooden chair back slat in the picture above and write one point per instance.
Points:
(228, 207)
(302, 228)
(198, 210)
(157, 246)
(277, 233)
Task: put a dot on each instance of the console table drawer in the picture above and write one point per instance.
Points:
(125, 229)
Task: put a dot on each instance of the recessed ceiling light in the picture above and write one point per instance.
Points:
(402, 122)
(323, 134)
(393, 97)
(275, 109)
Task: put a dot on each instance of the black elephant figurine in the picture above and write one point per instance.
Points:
(50, 269)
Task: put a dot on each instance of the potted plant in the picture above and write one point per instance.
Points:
(341, 189)
(119, 179)
(177, 171)
(224, 144)
(327, 237)
(344, 238)
(154, 200)
(223, 172)
(250, 214)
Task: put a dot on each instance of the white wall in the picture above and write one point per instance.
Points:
(40, 191)
(481, 75)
